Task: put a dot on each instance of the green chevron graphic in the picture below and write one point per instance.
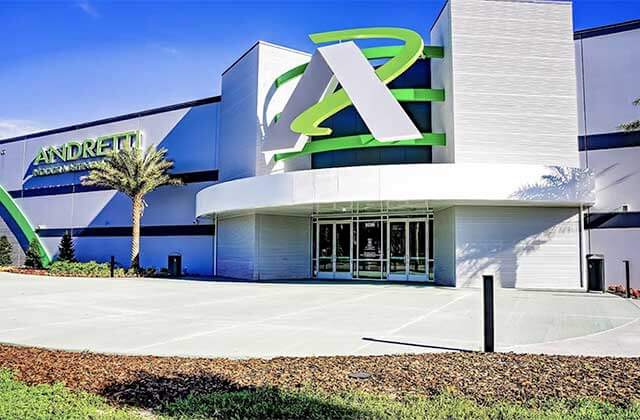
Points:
(309, 121)
(400, 59)
(21, 221)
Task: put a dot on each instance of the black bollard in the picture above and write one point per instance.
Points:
(628, 279)
(113, 264)
(488, 304)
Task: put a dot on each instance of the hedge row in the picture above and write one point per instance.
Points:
(84, 269)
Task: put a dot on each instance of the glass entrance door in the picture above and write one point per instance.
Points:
(371, 249)
(334, 250)
(417, 251)
(408, 250)
(397, 250)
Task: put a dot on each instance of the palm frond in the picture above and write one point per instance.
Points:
(133, 171)
(632, 125)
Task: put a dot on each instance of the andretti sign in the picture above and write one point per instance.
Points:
(81, 156)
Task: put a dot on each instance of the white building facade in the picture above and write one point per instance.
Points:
(504, 195)
(492, 184)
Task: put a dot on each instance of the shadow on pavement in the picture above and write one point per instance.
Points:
(375, 340)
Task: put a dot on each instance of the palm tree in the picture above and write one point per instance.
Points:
(135, 173)
(632, 125)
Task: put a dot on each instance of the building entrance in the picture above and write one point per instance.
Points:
(377, 247)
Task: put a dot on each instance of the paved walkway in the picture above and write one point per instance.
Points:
(196, 318)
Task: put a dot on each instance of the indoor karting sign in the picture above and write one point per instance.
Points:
(76, 156)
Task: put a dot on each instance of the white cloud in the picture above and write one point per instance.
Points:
(88, 8)
(166, 48)
(170, 50)
(14, 128)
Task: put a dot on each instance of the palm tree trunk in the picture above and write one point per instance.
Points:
(136, 215)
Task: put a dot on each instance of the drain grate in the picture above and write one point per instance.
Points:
(360, 375)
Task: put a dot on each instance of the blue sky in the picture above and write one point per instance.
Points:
(68, 62)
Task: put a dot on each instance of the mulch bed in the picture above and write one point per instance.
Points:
(26, 270)
(146, 381)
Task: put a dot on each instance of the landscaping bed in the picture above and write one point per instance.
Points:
(150, 382)
(620, 290)
(84, 269)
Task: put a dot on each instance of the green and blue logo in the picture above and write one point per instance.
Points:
(336, 78)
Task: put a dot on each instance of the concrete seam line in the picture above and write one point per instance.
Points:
(563, 340)
(241, 324)
(431, 312)
(418, 319)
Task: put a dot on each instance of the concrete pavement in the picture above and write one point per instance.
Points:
(197, 318)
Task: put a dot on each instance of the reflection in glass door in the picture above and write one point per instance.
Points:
(342, 264)
(334, 250)
(371, 249)
(408, 250)
(325, 250)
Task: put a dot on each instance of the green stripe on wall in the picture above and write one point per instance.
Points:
(23, 223)
(359, 142)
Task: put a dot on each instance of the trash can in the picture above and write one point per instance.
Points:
(175, 265)
(595, 272)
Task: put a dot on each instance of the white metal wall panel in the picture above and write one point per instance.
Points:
(444, 253)
(264, 247)
(523, 247)
(247, 87)
(273, 60)
(284, 250)
(514, 82)
(236, 247)
(442, 78)
(238, 119)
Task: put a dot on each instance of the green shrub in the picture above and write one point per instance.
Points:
(149, 272)
(33, 256)
(66, 251)
(6, 249)
(84, 269)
